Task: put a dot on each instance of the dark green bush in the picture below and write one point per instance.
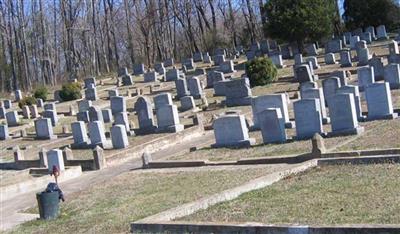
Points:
(27, 101)
(70, 91)
(41, 93)
(261, 71)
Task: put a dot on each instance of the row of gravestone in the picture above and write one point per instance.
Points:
(270, 114)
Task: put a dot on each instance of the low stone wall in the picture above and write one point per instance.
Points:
(222, 228)
(360, 160)
(155, 145)
(36, 183)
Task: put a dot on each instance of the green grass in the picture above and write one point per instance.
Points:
(330, 195)
(111, 206)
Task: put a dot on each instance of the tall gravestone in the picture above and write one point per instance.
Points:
(162, 99)
(55, 159)
(317, 93)
(308, 119)
(357, 100)
(330, 86)
(272, 124)
(118, 104)
(12, 118)
(119, 138)
(97, 134)
(4, 135)
(379, 101)
(79, 134)
(344, 116)
(366, 76)
(181, 87)
(264, 102)
(145, 115)
(195, 88)
(392, 75)
(168, 119)
(44, 129)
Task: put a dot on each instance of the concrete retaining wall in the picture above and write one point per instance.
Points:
(35, 183)
(222, 228)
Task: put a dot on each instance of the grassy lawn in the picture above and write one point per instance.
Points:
(111, 206)
(329, 195)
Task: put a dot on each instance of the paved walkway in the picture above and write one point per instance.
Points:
(9, 209)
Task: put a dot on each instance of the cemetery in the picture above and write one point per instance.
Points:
(264, 137)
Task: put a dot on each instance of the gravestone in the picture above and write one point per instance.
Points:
(7, 104)
(287, 52)
(121, 118)
(2, 112)
(311, 50)
(330, 86)
(307, 85)
(145, 115)
(44, 129)
(188, 63)
(150, 77)
(168, 119)
(12, 118)
(138, 69)
(363, 56)
(159, 68)
(317, 93)
(314, 62)
(119, 138)
(303, 74)
(127, 80)
(345, 59)
(238, 92)
(50, 106)
(83, 105)
(264, 102)
(107, 115)
(79, 134)
(34, 111)
(377, 63)
(198, 57)
(52, 115)
(162, 99)
(366, 76)
(227, 67)
(172, 75)
(83, 116)
(4, 135)
(341, 75)
(91, 94)
(195, 88)
(181, 87)
(97, 134)
(207, 58)
(371, 30)
(308, 118)
(343, 115)
(277, 60)
(89, 82)
(95, 114)
(298, 59)
(333, 46)
(55, 159)
(39, 102)
(392, 75)
(187, 103)
(169, 62)
(219, 59)
(214, 76)
(356, 95)
(353, 42)
(26, 113)
(381, 33)
(122, 71)
(366, 36)
(18, 95)
(330, 58)
(231, 131)
(393, 47)
(118, 104)
(379, 101)
(272, 124)
(113, 93)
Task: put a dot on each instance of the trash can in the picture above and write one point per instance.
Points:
(49, 204)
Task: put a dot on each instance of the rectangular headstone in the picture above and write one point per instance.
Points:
(119, 138)
(168, 119)
(55, 159)
(272, 124)
(238, 92)
(307, 114)
(44, 129)
(379, 101)
(145, 115)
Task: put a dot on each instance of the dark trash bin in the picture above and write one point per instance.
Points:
(49, 201)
